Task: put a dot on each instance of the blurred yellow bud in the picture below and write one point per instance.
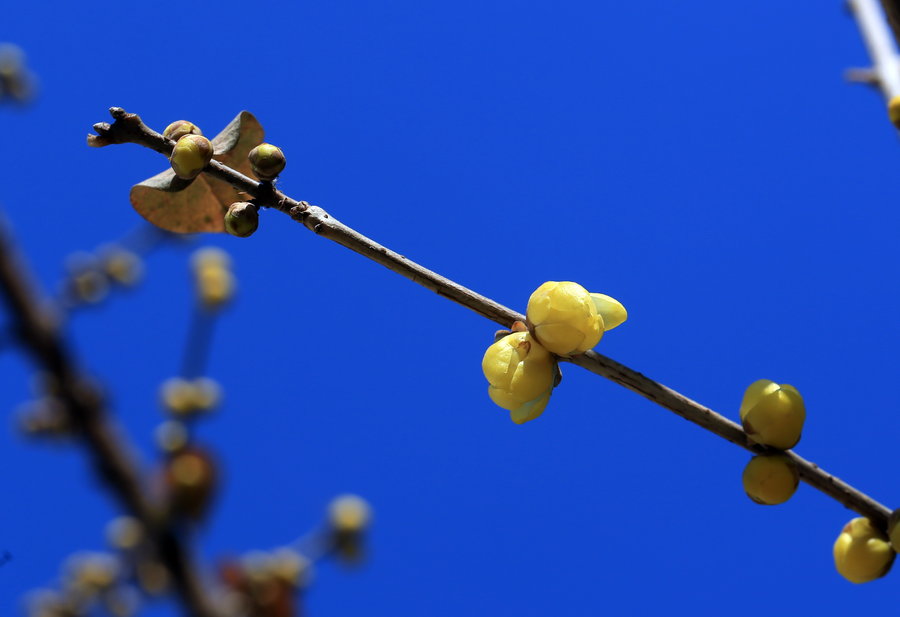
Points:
(207, 393)
(171, 436)
(210, 256)
(121, 266)
(862, 553)
(214, 280)
(91, 570)
(177, 396)
(564, 318)
(124, 533)
(349, 514)
(773, 414)
(184, 397)
(770, 479)
(894, 111)
(291, 567)
(521, 375)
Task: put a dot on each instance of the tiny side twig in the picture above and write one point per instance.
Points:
(37, 331)
(128, 128)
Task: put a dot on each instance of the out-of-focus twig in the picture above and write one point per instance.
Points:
(885, 71)
(37, 330)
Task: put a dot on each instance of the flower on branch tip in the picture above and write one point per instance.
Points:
(569, 320)
(521, 374)
(773, 414)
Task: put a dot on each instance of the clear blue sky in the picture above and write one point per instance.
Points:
(703, 162)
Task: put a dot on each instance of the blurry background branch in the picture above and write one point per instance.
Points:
(36, 328)
(17, 83)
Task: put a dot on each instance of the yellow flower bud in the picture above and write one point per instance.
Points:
(770, 480)
(180, 128)
(773, 414)
(565, 318)
(349, 513)
(521, 375)
(191, 154)
(862, 553)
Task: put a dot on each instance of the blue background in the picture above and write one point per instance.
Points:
(703, 162)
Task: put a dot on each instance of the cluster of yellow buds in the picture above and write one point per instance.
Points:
(565, 319)
(772, 415)
(188, 397)
(193, 152)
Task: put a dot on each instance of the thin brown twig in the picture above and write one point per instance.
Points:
(128, 128)
(38, 332)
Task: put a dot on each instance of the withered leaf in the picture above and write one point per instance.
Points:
(192, 206)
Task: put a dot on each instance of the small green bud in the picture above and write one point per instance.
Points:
(267, 161)
(180, 128)
(242, 219)
(191, 154)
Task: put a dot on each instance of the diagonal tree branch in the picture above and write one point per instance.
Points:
(37, 330)
(128, 128)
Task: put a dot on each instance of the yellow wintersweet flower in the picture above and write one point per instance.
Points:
(521, 374)
(568, 320)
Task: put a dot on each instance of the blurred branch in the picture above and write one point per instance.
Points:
(892, 10)
(128, 128)
(885, 71)
(37, 330)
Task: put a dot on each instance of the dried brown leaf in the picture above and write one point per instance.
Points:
(199, 205)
